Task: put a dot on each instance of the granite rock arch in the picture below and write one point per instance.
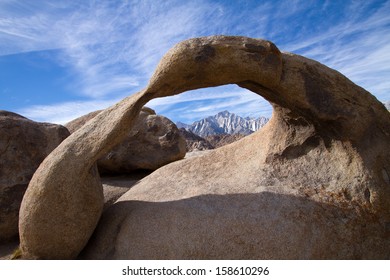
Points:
(316, 110)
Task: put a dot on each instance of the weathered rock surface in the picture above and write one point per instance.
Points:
(313, 183)
(195, 142)
(23, 146)
(152, 142)
(220, 140)
(76, 124)
(196, 153)
(115, 187)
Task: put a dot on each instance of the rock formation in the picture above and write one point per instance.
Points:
(76, 124)
(115, 186)
(220, 140)
(195, 142)
(23, 146)
(313, 183)
(152, 142)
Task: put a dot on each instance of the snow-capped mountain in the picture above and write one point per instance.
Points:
(183, 125)
(225, 123)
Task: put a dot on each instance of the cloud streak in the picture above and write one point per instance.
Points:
(98, 39)
(64, 112)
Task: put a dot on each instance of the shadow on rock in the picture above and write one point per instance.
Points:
(238, 226)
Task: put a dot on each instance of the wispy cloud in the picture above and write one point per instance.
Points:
(132, 38)
(64, 112)
(103, 41)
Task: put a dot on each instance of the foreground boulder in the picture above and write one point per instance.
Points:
(152, 142)
(23, 146)
(313, 183)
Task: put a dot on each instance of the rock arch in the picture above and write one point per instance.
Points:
(317, 111)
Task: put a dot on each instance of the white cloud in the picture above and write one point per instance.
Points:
(64, 112)
(103, 41)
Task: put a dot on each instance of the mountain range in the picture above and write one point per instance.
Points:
(224, 123)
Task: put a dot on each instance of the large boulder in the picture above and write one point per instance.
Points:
(76, 124)
(313, 183)
(152, 142)
(24, 144)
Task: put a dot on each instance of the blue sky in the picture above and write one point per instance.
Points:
(62, 59)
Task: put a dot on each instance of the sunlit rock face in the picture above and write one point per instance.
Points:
(24, 144)
(152, 142)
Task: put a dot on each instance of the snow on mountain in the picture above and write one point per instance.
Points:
(225, 123)
(183, 125)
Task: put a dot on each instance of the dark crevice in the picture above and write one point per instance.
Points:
(367, 195)
(296, 151)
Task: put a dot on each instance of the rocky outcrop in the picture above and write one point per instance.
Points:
(195, 142)
(23, 146)
(220, 140)
(76, 124)
(313, 183)
(152, 142)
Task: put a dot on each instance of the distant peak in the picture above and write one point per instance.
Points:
(224, 113)
(225, 123)
(182, 125)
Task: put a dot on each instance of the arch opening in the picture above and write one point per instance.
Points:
(194, 105)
